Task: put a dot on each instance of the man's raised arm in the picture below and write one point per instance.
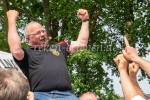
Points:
(13, 37)
(83, 36)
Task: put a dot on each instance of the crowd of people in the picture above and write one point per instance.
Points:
(44, 65)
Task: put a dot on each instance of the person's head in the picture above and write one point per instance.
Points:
(35, 34)
(13, 85)
(88, 96)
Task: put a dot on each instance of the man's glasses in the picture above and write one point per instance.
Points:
(38, 32)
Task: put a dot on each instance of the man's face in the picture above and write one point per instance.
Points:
(37, 36)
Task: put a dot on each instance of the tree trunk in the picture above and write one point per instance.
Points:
(6, 8)
(129, 19)
(47, 18)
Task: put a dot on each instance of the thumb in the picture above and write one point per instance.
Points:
(115, 60)
(131, 67)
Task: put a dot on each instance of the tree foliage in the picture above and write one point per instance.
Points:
(110, 20)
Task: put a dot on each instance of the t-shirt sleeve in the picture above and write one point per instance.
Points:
(64, 46)
(23, 64)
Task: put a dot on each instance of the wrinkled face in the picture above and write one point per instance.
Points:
(36, 36)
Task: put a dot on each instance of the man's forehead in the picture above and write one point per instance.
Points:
(34, 27)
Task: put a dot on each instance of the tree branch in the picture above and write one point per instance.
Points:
(27, 14)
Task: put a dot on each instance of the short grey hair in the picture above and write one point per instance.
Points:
(26, 29)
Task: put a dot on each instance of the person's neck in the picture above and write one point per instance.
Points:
(38, 46)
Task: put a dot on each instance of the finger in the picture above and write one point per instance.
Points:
(116, 60)
(82, 13)
(78, 11)
(126, 41)
(136, 66)
(130, 65)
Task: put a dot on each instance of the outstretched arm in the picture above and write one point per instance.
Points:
(131, 55)
(128, 88)
(83, 36)
(133, 69)
(13, 37)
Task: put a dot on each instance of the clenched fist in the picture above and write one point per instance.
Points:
(82, 14)
(12, 15)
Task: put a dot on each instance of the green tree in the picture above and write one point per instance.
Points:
(110, 20)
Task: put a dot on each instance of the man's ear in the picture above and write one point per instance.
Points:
(30, 96)
(27, 38)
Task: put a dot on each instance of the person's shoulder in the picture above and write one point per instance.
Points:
(61, 42)
(64, 42)
(138, 97)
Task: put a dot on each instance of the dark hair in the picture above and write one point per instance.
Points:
(13, 85)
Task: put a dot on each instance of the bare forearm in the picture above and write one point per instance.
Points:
(13, 37)
(84, 33)
(83, 36)
(127, 86)
(145, 65)
(137, 87)
(14, 41)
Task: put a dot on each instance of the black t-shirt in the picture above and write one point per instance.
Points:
(46, 68)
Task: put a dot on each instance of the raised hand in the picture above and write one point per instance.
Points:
(12, 15)
(121, 62)
(83, 14)
(129, 52)
(133, 69)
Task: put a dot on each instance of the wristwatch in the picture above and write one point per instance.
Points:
(85, 20)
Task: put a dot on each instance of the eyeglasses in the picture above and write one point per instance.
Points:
(38, 32)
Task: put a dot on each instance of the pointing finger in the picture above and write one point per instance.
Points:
(126, 41)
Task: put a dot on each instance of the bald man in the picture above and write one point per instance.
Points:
(88, 96)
